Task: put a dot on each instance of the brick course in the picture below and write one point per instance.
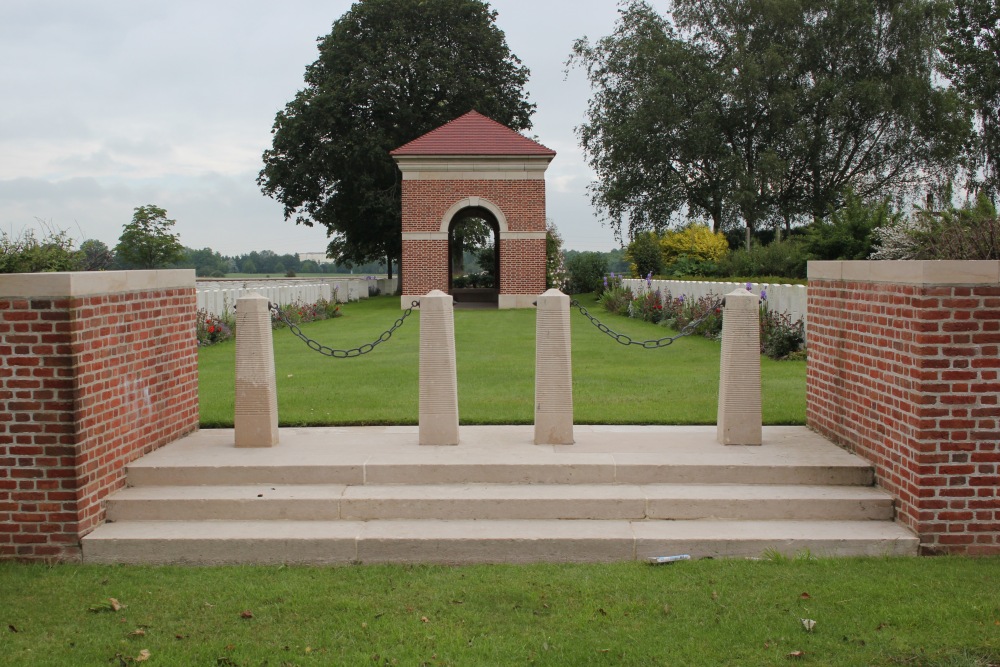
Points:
(89, 381)
(905, 374)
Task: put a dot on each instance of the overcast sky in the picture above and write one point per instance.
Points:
(113, 104)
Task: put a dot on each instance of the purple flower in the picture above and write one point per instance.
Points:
(649, 279)
(680, 299)
(763, 295)
(749, 287)
(605, 282)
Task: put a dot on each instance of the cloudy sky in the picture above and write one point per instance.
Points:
(113, 104)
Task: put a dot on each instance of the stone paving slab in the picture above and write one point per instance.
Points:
(503, 454)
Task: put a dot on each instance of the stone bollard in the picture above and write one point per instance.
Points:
(739, 417)
(256, 419)
(553, 371)
(438, 376)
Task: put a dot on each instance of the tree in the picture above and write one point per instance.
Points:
(388, 72)
(95, 256)
(146, 242)
(206, 262)
(769, 110)
(972, 62)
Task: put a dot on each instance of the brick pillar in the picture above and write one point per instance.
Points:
(96, 369)
(903, 370)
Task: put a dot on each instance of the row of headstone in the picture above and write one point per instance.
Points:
(789, 300)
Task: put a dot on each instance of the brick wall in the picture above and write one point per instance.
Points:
(425, 202)
(903, 370)
(96, 369)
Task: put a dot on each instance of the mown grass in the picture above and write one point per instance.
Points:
(495, 350)
(914, 612)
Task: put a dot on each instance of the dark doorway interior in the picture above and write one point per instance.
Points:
(474, 258)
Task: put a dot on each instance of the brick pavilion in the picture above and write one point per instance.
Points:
(474, 167)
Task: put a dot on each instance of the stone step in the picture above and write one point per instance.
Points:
(502, 454)
(497, 502)
(463, 541)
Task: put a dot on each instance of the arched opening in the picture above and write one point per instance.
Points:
(474, 258)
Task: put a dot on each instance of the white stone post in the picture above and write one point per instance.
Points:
(553, 371)
(739, 418)
(256, 419)
(438, 377)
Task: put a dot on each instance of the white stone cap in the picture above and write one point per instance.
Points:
(909, 272)
(435, 300)
(91, 283)
(742, 299)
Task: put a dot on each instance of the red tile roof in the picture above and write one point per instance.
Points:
(473, 134)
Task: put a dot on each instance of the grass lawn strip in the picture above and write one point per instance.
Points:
(924, 612)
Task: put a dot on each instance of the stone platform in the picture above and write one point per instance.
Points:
(372, 494)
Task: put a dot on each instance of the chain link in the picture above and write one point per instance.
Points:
(623, 339)
(340, 354)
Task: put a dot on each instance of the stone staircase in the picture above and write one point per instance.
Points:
(371, 494)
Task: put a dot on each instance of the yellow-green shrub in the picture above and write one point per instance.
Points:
(696, 241)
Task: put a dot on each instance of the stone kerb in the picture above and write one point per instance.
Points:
(903, 370)
(739, 414)
(96, 370)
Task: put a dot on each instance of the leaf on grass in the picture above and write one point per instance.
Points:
(715, 595)
(805, 596)
(111, 605)
(424, 619)
(143, 655)
(12, 628)
(246, 614)
(796, 654)
(138, 632)
(602, 612)
(808, 624)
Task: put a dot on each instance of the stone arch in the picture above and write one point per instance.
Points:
(474, 202)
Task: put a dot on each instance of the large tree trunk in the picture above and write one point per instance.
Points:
(388, 266)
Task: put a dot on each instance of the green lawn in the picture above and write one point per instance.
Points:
(612, 384)
(913, 612)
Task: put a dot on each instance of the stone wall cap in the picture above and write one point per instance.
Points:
(90, 283)
(909, 272)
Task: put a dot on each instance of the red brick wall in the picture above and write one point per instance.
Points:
(88, 383)
(425, 202)
(425, 266)
(519, 262)
(906, 375)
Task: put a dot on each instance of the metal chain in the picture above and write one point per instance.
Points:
(341, 354)
(623, 339)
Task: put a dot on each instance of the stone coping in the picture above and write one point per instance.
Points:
(909, 272)
(90, 283)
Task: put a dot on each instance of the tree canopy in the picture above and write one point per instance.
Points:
(147, 242)
(765, 111)
(972, 63)
(388, 72)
